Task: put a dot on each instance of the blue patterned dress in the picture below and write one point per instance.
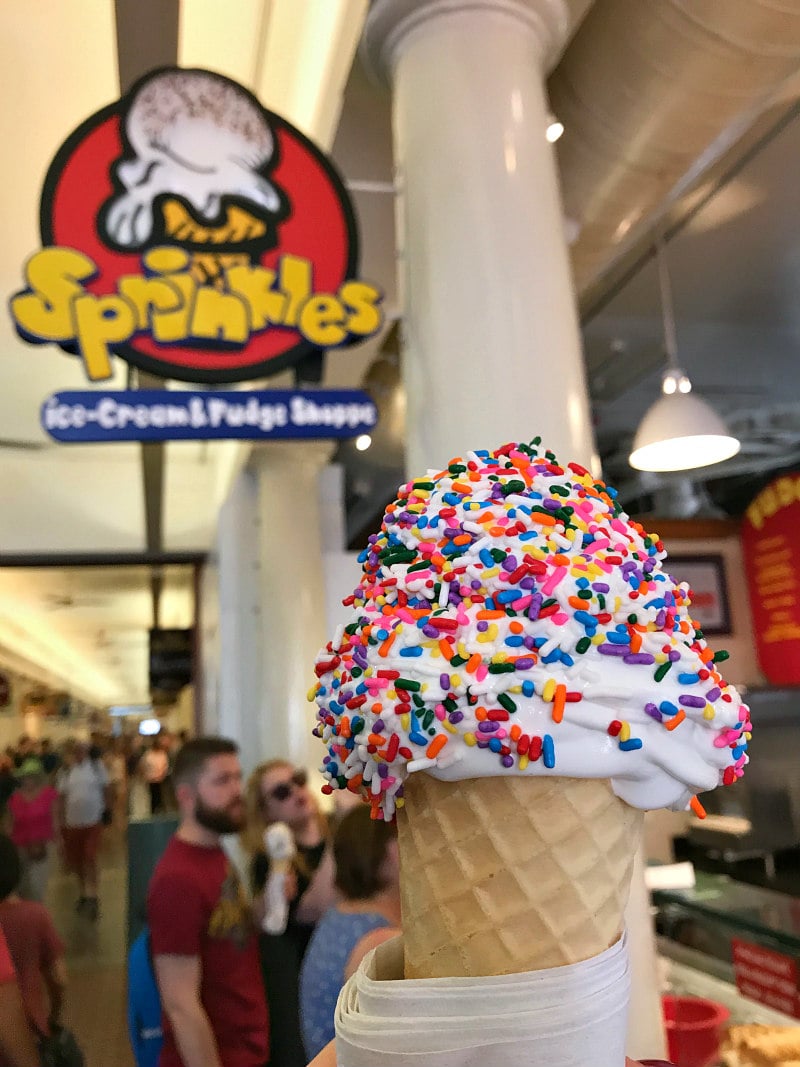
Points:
(322, 974)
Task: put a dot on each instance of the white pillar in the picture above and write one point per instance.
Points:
(491, 341)
(646, 1037)
(264, 605)
(230, 622)
(292, 594)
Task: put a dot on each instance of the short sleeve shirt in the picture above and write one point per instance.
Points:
(34, 946)
(196, 907)
(83, 787)
(32, 820)
(7, 973)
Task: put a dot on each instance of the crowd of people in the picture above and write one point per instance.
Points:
(230, 992)
(233, 994)
(227, 988)
(54, 801)
(54, 804)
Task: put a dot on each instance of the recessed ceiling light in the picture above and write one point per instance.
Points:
(554, 129)
(363, 441)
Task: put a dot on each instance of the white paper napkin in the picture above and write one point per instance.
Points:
(572, 1016)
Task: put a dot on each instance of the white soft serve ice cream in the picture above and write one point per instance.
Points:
(511, 619)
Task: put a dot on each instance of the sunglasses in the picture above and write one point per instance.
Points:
(285, 789)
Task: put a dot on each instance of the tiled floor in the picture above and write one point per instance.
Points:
(95, 1008)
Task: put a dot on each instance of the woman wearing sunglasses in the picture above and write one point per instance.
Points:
(278, 792)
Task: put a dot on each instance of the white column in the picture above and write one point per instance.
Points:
(231, 622)
(291, 594)
(646, 1037)
(491, 341)
(264, 604)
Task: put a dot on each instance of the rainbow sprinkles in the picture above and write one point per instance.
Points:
(511, 619)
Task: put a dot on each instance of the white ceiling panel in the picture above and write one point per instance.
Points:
(78, 498)
(222, 38)
(192, 496)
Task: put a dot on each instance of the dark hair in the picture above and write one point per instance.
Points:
(194, 755)
(10, 867)
(359, 848)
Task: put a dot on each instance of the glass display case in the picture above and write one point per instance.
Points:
(736, 932)
(720, 910)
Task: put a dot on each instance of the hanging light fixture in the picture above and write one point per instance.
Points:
(680, 431)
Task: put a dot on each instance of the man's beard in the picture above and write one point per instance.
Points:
(219, 820)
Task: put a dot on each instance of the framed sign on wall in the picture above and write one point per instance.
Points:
(706, 576)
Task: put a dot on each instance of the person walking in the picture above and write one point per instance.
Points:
(203, 940)
(8, 783)
(277, 792)
(36, 949)
(49, 757)
(33, 811)
(17, 1047)
(155, 768)
(367, 914)
(116, 768)
(85, 798)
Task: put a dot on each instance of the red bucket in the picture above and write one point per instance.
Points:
(694, 1030)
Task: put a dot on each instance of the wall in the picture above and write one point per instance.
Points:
(704, 539)
(722, 539)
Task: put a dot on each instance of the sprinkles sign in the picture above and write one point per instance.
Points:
(772, 555)
(196, 235)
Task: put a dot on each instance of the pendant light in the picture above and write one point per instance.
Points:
(680, 431)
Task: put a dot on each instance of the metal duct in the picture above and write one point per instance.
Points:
(651, 92)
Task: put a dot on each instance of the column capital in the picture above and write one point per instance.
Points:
(391, 21)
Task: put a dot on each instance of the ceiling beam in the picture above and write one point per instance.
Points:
(147, 38)
(102, 559)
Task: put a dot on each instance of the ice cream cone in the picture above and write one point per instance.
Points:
(504, 875)
(208, 265)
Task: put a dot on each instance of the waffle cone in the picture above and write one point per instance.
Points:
(511, 874)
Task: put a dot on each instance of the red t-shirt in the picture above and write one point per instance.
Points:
(33, 819)
(7, 973)
(196, 907)
(34, 946)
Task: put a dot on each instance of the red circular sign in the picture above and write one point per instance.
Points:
(309, 216)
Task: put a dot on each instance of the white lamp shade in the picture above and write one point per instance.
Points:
(681, 432)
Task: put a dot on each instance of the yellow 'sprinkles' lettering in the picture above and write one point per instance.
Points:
(168, 303)
(54, 276)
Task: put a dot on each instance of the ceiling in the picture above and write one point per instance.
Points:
(734, 264)
(733, 251)
(87, 627)
(735, 273)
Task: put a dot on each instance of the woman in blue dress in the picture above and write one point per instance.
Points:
(366, 914)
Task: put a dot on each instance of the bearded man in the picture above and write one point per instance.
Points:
(203, 937)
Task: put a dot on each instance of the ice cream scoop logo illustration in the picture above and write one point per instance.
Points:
(195, 234)
(200, 148)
